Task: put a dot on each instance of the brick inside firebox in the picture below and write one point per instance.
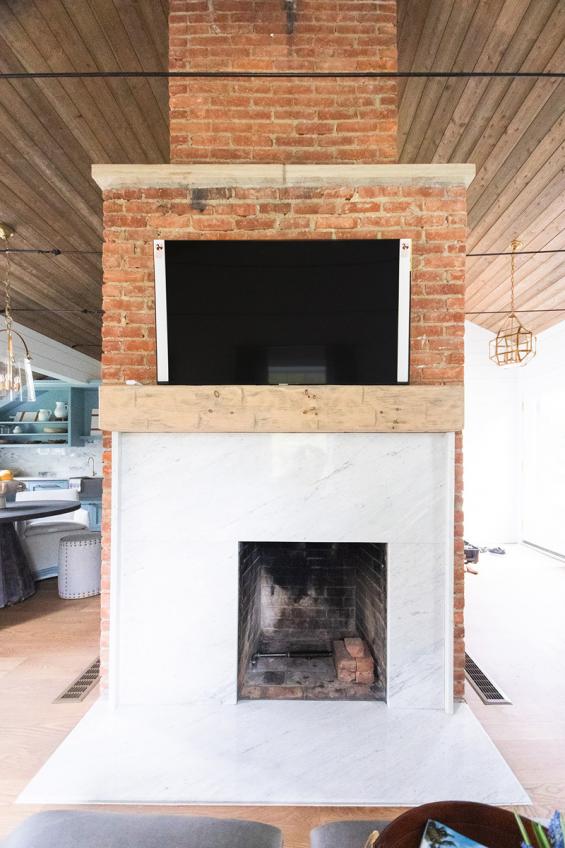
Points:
(295, 601)
(353, 661)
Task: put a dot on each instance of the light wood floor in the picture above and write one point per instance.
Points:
(516, 633)
(46, 642)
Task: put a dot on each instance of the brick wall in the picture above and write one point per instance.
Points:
(282, 120)
(433, 216)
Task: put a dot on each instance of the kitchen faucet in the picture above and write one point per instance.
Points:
(91, 466)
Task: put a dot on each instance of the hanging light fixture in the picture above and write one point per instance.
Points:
(15, 371)
(513, 344)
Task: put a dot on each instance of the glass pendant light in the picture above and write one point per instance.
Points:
(15, 369)
(513, 344)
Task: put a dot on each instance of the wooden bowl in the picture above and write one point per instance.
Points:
(488, 825)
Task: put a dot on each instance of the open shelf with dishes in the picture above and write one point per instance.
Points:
(61, 415)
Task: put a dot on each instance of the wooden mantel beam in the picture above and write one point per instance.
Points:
(204, 175)
(281, 409)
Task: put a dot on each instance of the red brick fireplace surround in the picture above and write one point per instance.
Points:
(348, 126)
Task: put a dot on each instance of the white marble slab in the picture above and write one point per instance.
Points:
(275, 752)
(183, 502)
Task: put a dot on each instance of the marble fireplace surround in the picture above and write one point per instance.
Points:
(182, 502)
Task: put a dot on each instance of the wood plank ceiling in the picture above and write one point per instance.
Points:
(512, 130)
(52, 130)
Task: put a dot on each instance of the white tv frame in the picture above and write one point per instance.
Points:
(403, 337)
(403, 331)
(161, 329)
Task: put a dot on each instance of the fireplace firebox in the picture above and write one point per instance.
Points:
(300, 605)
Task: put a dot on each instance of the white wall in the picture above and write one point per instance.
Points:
(542, 385)
(491, 445)
(57, 360)
(515, 444)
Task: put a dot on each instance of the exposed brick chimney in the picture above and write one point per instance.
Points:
(281, 120)
(289, 119)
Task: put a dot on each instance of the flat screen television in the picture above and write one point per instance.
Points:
(316, 312)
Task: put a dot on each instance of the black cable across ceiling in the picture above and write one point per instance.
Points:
(100, 312)
(521, 253)
(220, 74)
(56, 251)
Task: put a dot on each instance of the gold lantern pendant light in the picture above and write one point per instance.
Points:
(513, 344)
(15, 372)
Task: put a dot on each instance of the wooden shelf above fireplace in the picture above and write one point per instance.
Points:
(281, 409)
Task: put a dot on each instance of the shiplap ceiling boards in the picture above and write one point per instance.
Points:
(51, 131)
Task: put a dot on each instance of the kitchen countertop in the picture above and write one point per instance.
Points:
(38, 477)
(59, 477)
(54, 479)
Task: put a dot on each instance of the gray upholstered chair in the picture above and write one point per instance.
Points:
(72, 828)
(41, 536)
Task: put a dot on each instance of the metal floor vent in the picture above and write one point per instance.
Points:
(485, 688)
(79, 688)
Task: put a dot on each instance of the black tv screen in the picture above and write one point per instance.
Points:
(282, 312)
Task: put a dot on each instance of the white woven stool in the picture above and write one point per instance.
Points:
(79, 565)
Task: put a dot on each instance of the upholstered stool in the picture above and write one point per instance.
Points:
(79, 565)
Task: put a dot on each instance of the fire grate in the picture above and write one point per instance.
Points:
(81, 686)
(485, 688)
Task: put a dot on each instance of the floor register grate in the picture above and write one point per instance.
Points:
(485, 688)
(79, 688)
